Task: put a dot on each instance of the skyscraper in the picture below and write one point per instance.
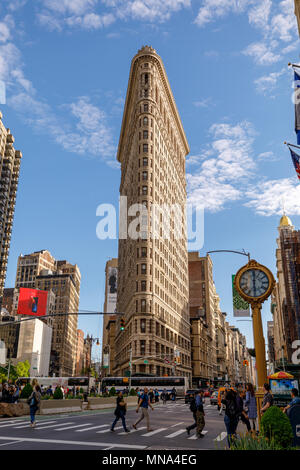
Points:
(10, 160)
(152, 271)
(108, 325)
(41, 271)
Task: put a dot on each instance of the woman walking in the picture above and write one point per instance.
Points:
(34, 404)
(231, 414)
(251, 404)
(120, 412)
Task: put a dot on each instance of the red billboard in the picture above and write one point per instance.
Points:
(32, 302)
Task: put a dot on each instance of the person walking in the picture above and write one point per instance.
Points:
(34, 403)
(151, 395)
(251, 406)
(268, 399)
(173, 394)
(231, 414)
(200, 414)
(242, 413)
(163, 396)
(156, 395)
(144, 404)
(120, 412)
(193, 409)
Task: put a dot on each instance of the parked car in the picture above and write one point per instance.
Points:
(214, 398)
(206, 393)
(189, 393)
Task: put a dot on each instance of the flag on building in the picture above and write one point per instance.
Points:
(240, 307)
(296, 161)
(297, 105)
(32, 302)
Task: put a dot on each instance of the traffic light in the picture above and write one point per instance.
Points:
(122, 324)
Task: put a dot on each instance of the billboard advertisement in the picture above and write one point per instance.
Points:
(112, 283)
(32, 302)
(240, 307)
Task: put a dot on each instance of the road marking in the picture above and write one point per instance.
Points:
(73, 443)
(54, 425)
(73, 427)
(93, 427)
(12, 424)
(176, 433)
(107, 430)
(38, 424)
(8, 443)
(194, 437)
(221, 436)
(131, 431)
(177, 424)
(156, 431)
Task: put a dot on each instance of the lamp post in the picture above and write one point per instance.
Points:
(90, 340)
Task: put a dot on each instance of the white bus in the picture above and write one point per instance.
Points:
(66, 382)
(181, 384)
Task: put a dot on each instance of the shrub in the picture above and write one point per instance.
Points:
(132, 393)
(81, 390)
(249, 442)
(275, 425)
(112, 392)
(58, 394)
(27, 391)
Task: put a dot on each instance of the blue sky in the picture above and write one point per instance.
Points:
(66, 63)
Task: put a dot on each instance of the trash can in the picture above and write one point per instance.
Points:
(294, 416)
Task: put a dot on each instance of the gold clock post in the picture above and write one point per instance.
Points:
(256, 304)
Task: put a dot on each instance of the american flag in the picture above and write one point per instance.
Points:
(296, 161)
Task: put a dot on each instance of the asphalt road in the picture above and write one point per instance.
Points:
(91, 430)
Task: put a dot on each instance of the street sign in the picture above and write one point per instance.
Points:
(127, 373)
(146, 362)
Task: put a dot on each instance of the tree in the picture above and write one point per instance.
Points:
(27, 391)
(58, 394)
(22, 369)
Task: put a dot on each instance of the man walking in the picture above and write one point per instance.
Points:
(144, 404)
(193, 409)
(120, 412)
(200, 414)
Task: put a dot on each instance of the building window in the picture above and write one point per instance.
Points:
(143, 286)
(145, 190)
(143, 306)
(145, 134)
(146, 108)
(145, 161)
(143, 325)
(143, 252)
(143, 347)
(145, 121)
(145, 175)
(143, 268)
(145, 148)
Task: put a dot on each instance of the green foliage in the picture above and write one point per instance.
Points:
(58, 394)
(112, 392)
(275, 425)
(250, 442)
(81, 390)
(27, 391)
(22, 369)
(132, 393)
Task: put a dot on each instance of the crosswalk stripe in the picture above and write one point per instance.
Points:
(194, 437)
(38, 424)
(177, 424)
(221, 436)
(73, 427)
(107, 430)
(54, 425)
(131, 431)
(151, 433)
(12, 424)
(176, 433)
(93, 427)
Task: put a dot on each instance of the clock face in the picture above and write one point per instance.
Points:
(254, 283)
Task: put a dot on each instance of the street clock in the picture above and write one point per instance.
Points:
(254, 282)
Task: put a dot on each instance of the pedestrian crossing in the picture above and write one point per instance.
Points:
(165, 432)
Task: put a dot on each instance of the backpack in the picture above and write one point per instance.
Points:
(193, 406)
(231, 409)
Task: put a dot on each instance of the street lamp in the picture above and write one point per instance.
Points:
(90, 340)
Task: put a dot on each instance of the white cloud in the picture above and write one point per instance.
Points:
(259, 14)
(4, 32)
(267, 198)
(213, 9)
(267, 83)
(227, 163)
(204, 103)
(262, 53)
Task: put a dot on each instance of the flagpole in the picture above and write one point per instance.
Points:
(293, 65)
(292, 145)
